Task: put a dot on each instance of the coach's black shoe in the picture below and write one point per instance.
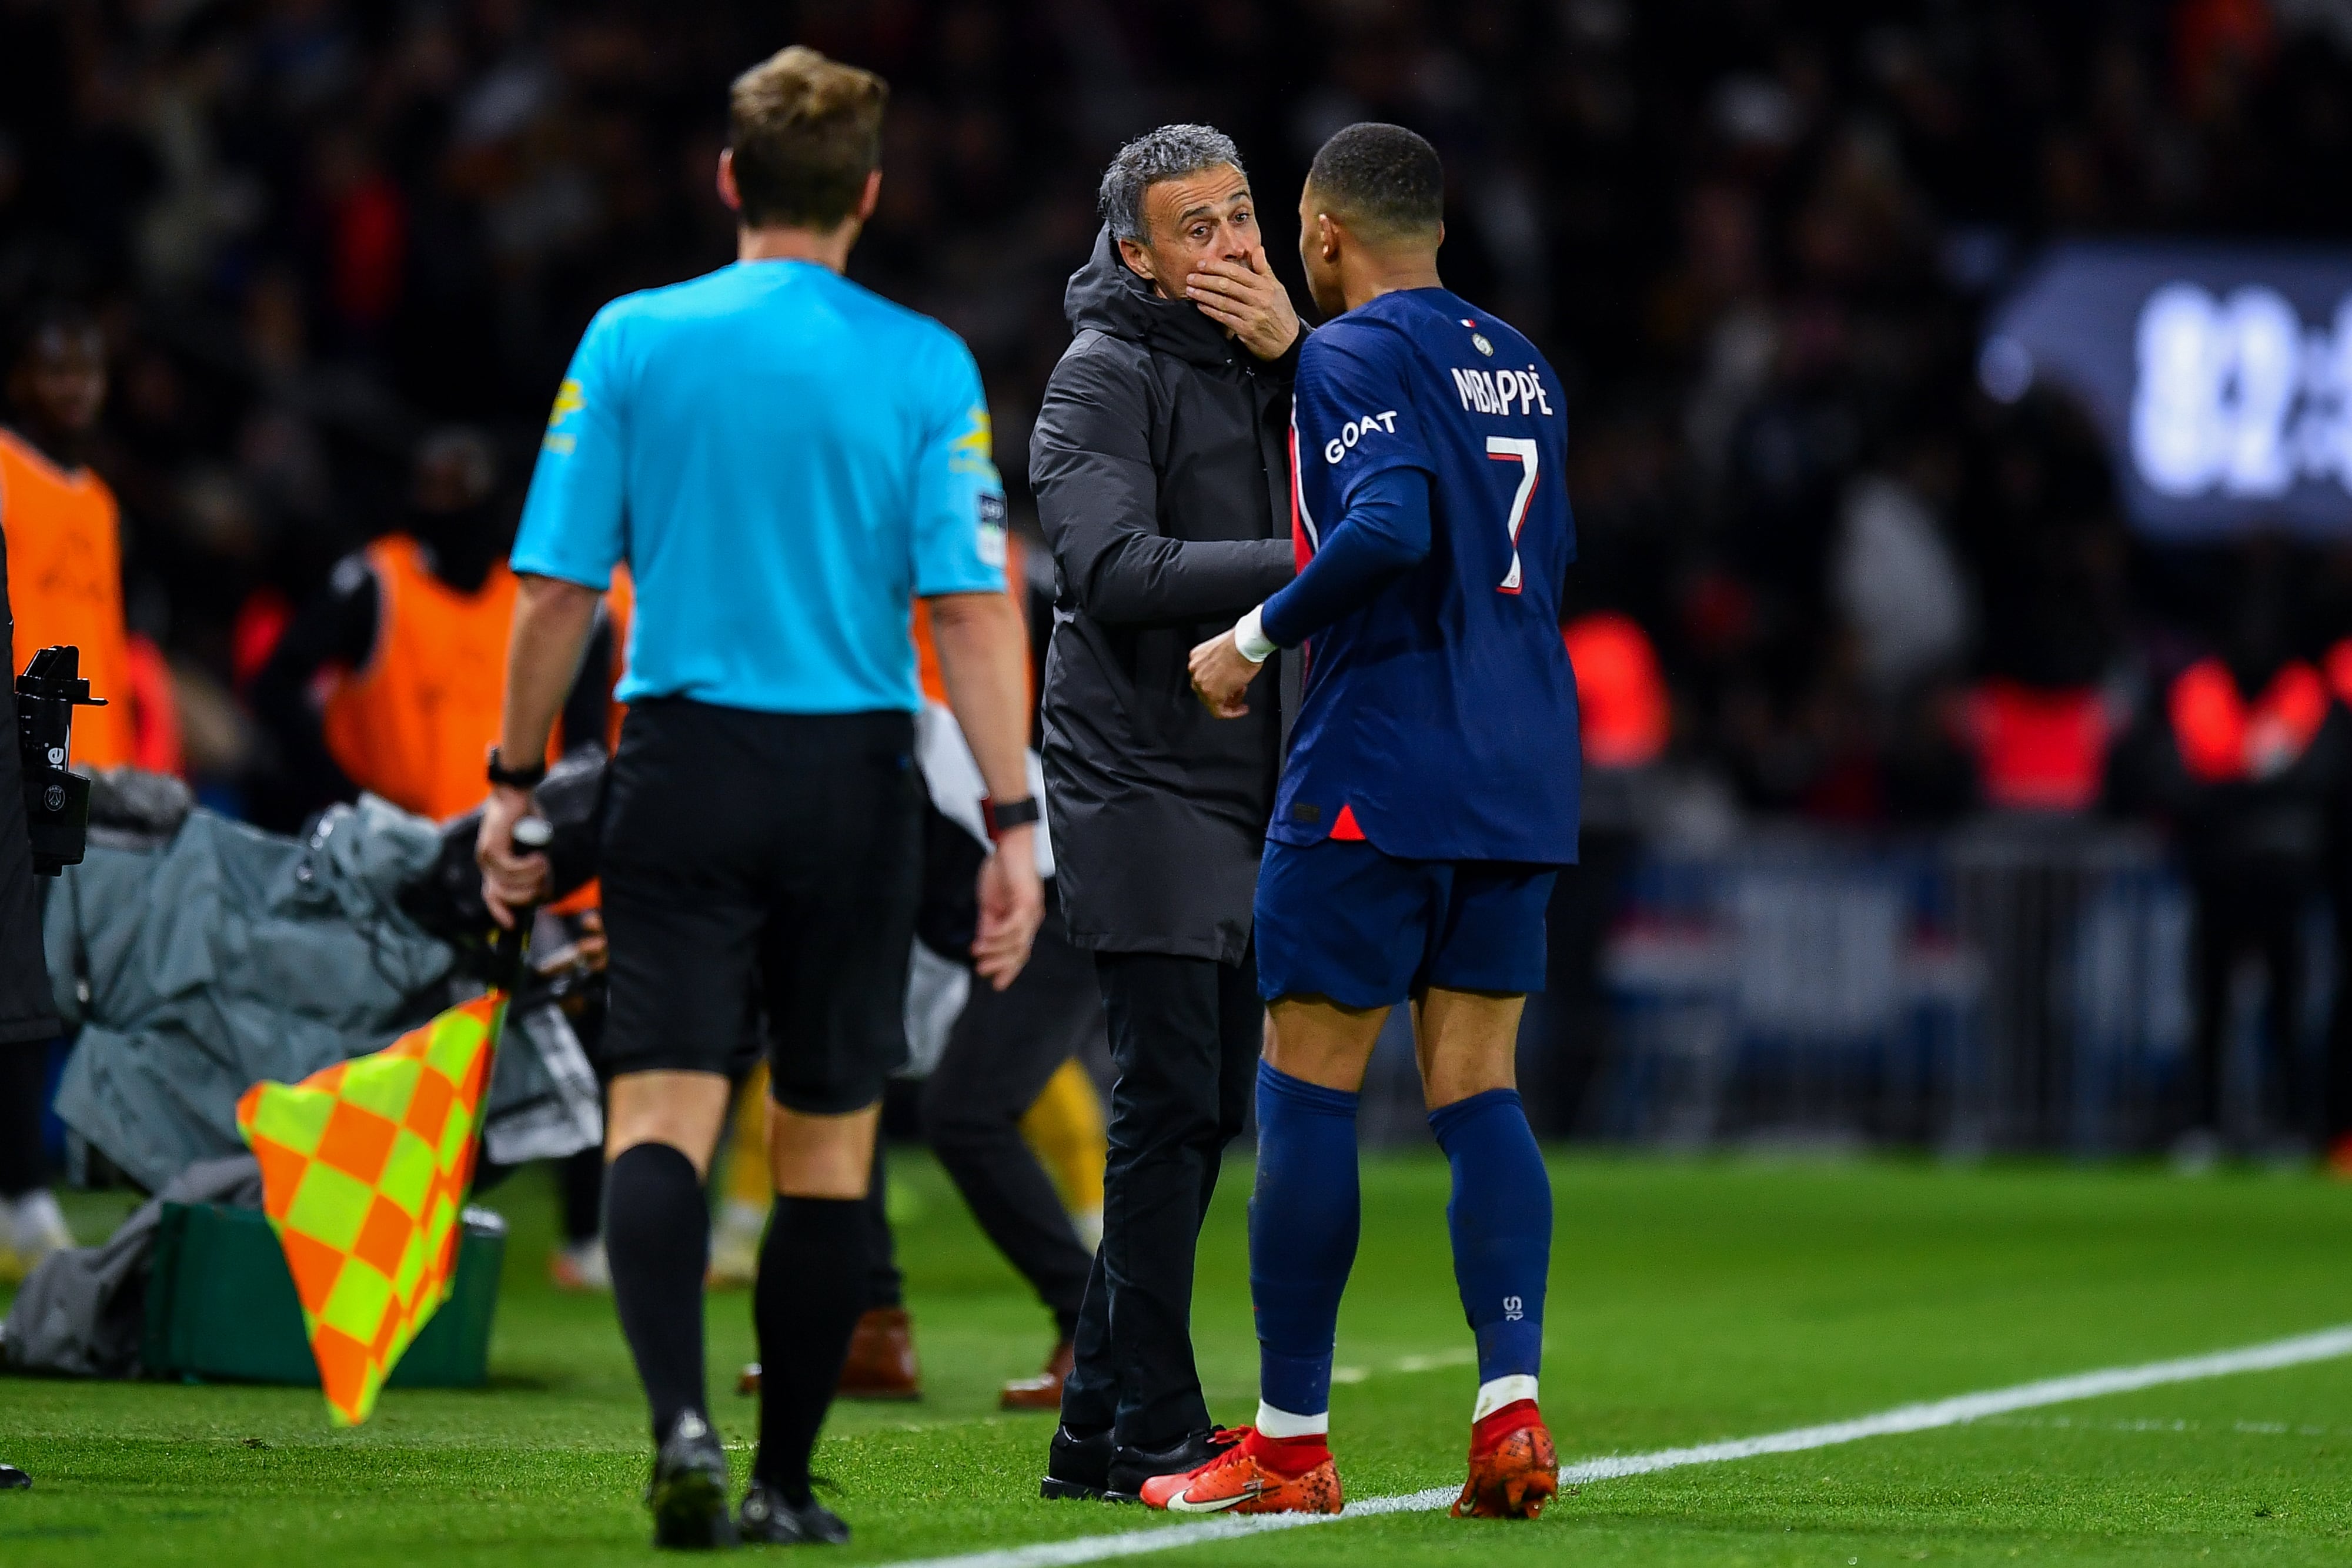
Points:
(769, 1520)
(688, 1494)
(1131, 1467)
(1077, 1466)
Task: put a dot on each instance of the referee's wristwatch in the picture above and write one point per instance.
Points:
(1001, 816)
(508, 778)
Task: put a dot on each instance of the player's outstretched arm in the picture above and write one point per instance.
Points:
(1385, 532)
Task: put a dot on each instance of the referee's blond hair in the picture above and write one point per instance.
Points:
(806, 130)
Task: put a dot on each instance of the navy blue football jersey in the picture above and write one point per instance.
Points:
(1439, 721)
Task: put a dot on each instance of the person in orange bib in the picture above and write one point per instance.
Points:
(63, 582)
(2248, 757)
(64, 546)
(391, 681)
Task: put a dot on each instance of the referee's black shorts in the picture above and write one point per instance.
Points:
(756, 862)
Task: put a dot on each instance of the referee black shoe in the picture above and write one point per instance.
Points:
(1131, 1467)
(1075, 1467)
(688, 1494)
(769, 1520)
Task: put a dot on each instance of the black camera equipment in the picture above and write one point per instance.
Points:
(57, 800)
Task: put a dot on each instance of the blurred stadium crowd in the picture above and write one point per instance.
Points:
(1755, 236)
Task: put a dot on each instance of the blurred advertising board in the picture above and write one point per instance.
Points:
(2220, 374)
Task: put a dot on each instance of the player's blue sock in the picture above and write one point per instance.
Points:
(1303, 1218)
(1500, 1216)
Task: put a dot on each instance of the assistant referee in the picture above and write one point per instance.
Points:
(783, 459)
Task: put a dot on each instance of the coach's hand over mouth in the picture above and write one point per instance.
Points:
(1221, 676)
(1011, 907)
(510, 880)
(1250, 302)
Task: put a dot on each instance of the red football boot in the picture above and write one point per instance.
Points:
(1513, 1469)
(1257, 1475)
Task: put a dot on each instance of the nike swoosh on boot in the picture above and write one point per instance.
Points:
(1183, 1501)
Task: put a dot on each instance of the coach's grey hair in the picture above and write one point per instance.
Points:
(1170, 152)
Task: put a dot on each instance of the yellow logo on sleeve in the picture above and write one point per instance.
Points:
(569, 401)
(974, 451)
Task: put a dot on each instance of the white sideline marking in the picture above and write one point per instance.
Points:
(1461, 1356)
(2326, 1345)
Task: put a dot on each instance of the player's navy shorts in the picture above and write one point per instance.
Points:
(1341, 920)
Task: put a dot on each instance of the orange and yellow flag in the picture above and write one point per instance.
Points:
(365, 1167)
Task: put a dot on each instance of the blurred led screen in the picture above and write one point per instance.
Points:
(2221, 376)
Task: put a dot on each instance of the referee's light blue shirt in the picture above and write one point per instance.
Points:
(786, 461)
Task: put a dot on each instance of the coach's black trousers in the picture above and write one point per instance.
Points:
(1004, 1048)
(1184, 1035)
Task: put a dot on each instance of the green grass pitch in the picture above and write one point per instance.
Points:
(1690, 1301)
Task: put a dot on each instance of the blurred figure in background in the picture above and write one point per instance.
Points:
(1018, 1125)
(1008, 1109)
(390, 680)
(2335, 1107)
(65, 561)
(65, 543)
(1625, 719)
(31, 1227)
(2248, 757)
(2038, 509)
(1064, 1127)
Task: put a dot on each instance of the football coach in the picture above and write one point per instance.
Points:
(786, 462)
(1160, 462)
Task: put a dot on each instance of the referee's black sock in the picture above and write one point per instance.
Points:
(812, 1288)
(657, 1240)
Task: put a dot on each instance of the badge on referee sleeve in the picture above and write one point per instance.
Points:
(992, 527)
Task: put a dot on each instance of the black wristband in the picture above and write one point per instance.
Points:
(1003, 815)
(508, 778)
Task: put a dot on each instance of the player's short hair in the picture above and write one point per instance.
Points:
(1382, 179)
(1170, 152)
(806, 130)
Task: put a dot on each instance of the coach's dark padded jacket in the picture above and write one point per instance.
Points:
(1160, 462)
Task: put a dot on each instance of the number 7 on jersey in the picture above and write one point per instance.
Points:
(1522, 451)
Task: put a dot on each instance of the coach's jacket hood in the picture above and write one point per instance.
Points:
(1160, 468)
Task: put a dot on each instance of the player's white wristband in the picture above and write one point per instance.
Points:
(1250, 637)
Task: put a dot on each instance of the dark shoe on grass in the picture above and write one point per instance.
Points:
(688, 1495)
(1076, 1467)
(769, 1520)
(14, 1479)
(1131, 1467)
